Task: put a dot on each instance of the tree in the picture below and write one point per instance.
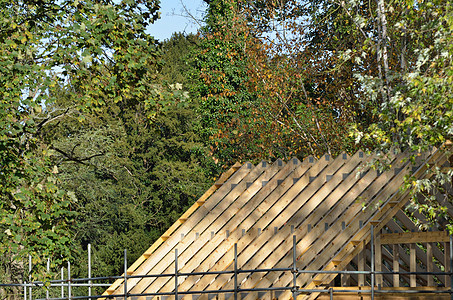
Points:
(265, 92)
(329, 76)
(133, 175)
(94, 50)
(414, 55)
(220, 76)
(175, 54)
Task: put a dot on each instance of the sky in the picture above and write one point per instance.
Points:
(174, 18)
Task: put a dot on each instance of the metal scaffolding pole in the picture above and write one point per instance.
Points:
(372, 262)
(125, 274)
(89, 270)
(235, 271)
(62, 285)
(69, 280)
(48, 271)
(29, 277)
(176, 274)
(294, 270)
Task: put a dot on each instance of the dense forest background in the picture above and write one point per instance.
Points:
(108, 135)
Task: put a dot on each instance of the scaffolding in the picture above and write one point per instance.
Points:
(66, 285)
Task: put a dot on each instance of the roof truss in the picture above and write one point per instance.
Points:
(328, 204)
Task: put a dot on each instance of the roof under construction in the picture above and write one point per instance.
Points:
(298, 216)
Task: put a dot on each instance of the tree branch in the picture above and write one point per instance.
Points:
(71, 157)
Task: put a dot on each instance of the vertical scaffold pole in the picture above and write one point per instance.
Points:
(62, 283)
(176, 274)
(89, 270)
(48, 271)
(294, 268)
(69, 281)
(25, 290)
(235, 271)
(29, 277)
(125, 274)
(372, 262)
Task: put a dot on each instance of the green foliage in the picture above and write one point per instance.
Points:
(133, 174)
(413, 88)
(326, 76)
(220, 76)
(94, 51)
(175, 54)
(139, 178)
(265, 91)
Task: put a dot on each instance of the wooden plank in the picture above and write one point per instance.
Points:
(405, 259)
(224, 177)
(285, 208)
(329, 243)
(378, 257)
(156, 264)
(361, 267)
(330, 203)
(414, 237)
(387, 257)
(278, 246)
(413, 265)
(218, 246)
(259, 217)
(401, 216)
(232, 220)
(193, 220)
(349, 251)
(359, 294)
(396, 265)
(429, 263)
(408, 223)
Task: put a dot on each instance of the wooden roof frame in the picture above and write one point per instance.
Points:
(328, 204)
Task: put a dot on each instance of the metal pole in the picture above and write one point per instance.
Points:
(176, 274)
(372, 262)
(62, 283)
(25, 290)
(48, 271)
(294, 268)
(89, 269)
(69, 280)
(125, 274)
(29, 277)
(451, 267)
(235, 271)
(331, 293)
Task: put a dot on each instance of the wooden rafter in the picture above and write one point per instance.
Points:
(328, 204)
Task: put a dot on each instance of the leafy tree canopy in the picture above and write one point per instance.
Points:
(98, 53)
(327, 76)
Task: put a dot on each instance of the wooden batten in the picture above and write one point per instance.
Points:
(168, 233)
(336, 262)
(258, 209)
(415, 237)
(355, 242)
